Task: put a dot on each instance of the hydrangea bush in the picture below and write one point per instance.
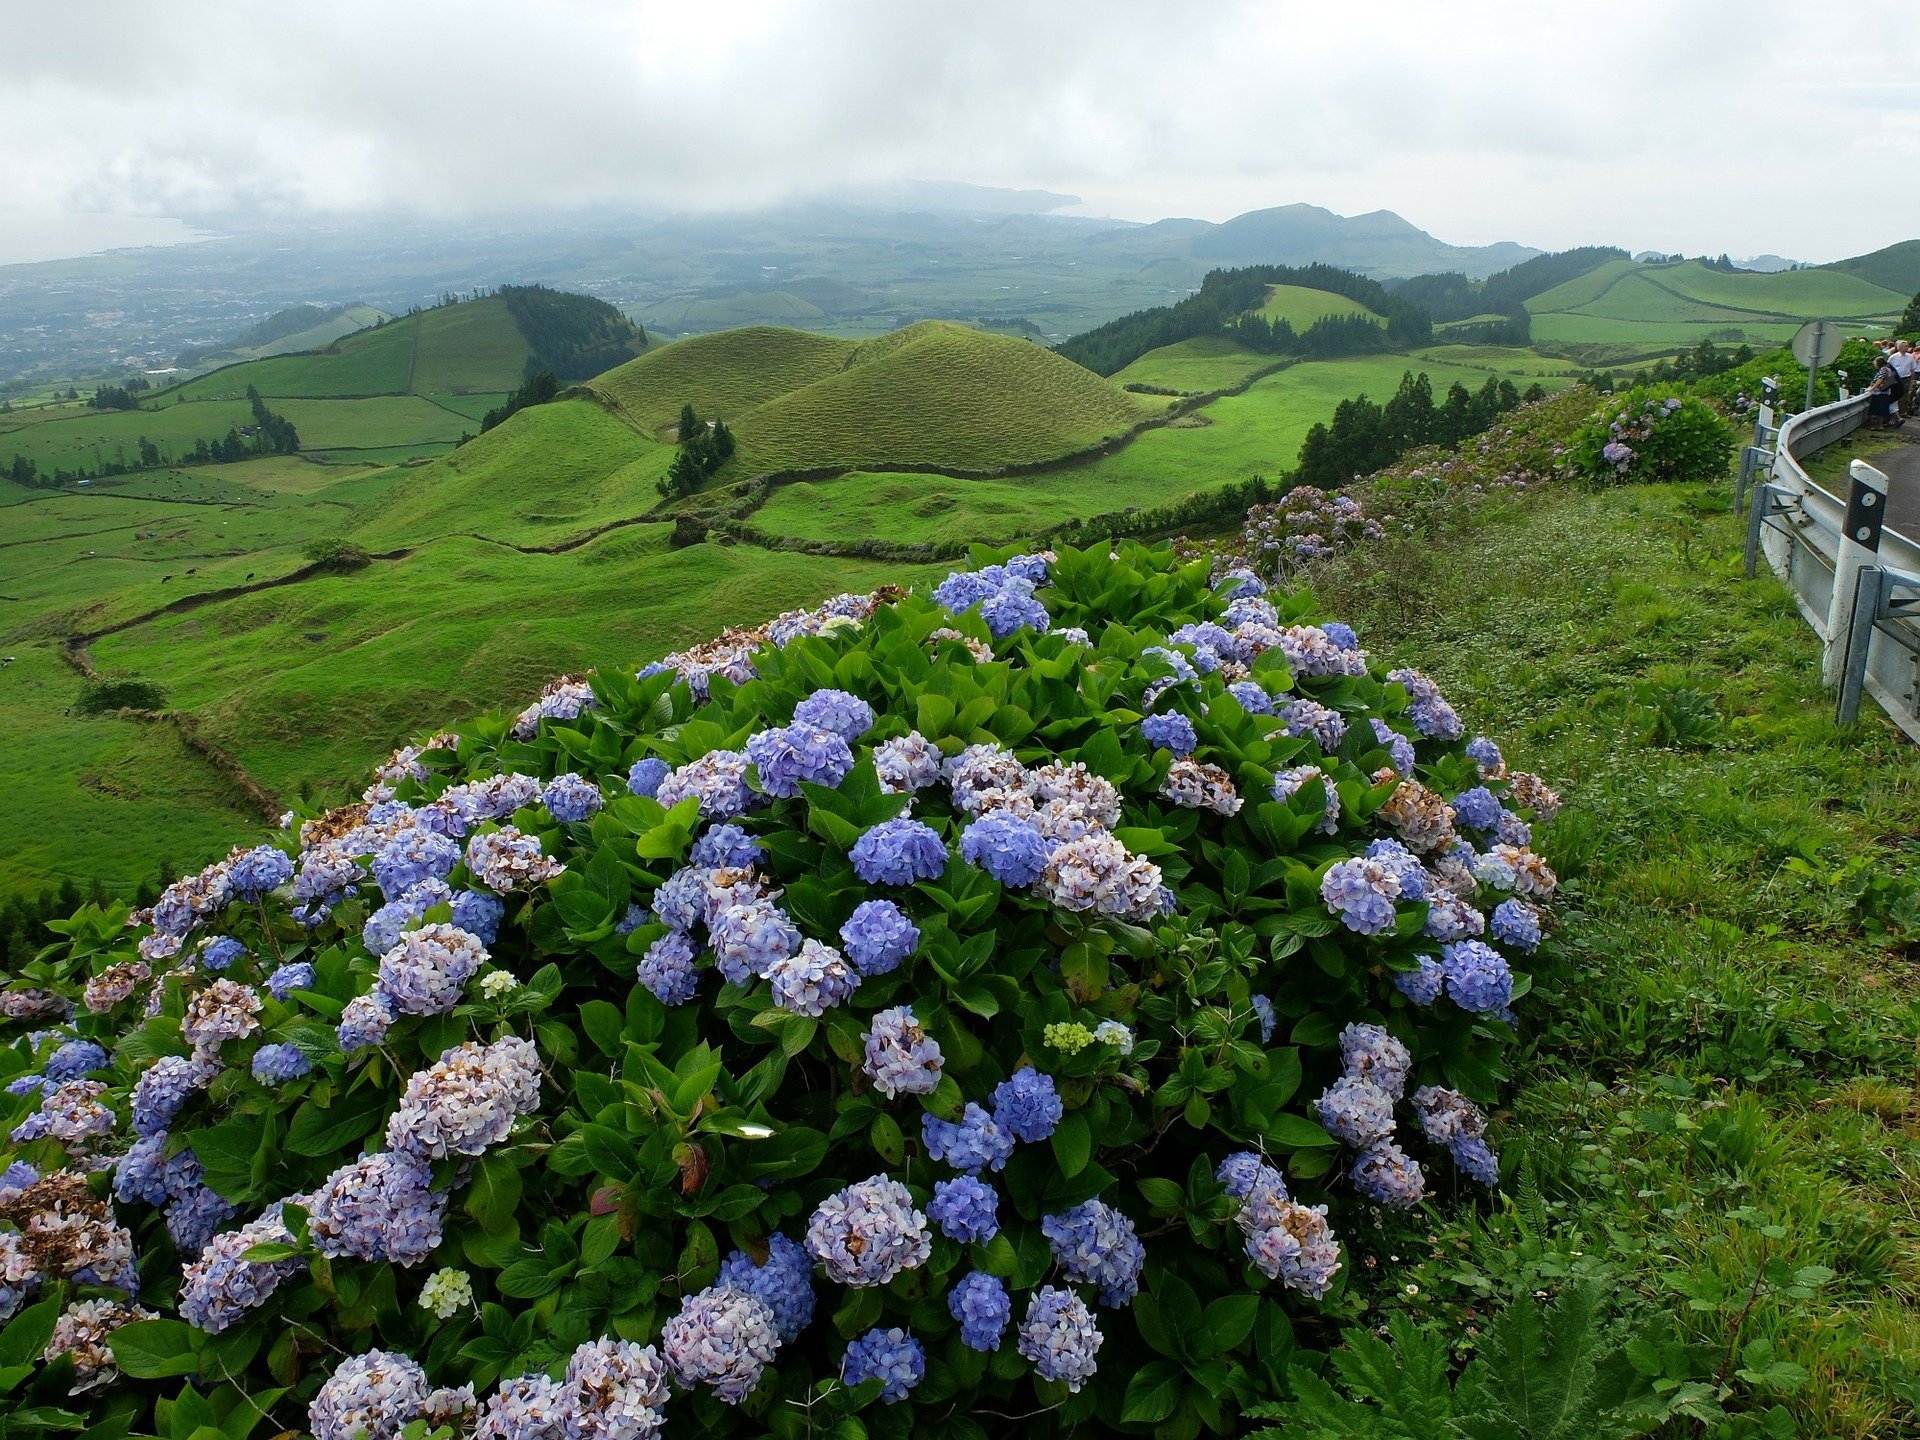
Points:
(1651, 434)
(976, 1013)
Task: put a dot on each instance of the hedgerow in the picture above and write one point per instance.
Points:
(976, 1013)
(1652, 434)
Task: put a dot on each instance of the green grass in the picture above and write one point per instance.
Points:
(1626, 303)
(938, 394)
(371, 362)
(726, 374)
(373, 423)
(313, 682)
(474, 347)
(545, 476)
(1195, 367)
(106, 436)
(1300, 307)
(1721, 1061)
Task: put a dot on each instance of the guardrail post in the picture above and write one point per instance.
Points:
(1859, 544)
(1869, 600)
(1756, 518)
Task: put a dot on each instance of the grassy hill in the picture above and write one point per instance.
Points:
(1300, 307)
(726, 374)
(937, 393)
(1895, 268)
(1627, 304)
(1196, 366)
(304, 327)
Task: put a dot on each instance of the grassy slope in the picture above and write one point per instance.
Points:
(1622, 302)
(1300, 307)
(546, 475)
(1256, 433)
(725, 374)
(1895, 268)
(313, 682)
(1728, 1079)
(372, 362)
(102, 435)
(939, 394)
(1207, 362)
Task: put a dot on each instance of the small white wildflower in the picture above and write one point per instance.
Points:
(447, 1292)
(498, 983)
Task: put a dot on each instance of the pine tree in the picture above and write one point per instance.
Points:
(689, 424)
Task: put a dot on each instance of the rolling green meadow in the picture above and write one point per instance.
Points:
(1640, 309)
(542, 545)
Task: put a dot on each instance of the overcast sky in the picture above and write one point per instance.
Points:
(1698, 126)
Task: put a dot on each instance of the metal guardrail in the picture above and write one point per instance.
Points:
(1856, 582)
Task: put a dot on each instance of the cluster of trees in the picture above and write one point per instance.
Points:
(538, 390)
(270, 434)
(1910, 319)
(1452, 296)
(119, 397)
(1365, 437)
(574, 336)
(704, 448)
(1222, 304)
(1705, 359)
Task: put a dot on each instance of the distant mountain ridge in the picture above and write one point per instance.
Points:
(1379, 243)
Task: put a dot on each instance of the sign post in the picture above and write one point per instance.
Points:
(1815, 344)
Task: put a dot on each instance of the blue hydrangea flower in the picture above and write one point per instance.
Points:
(982, 1306)
(878, 936)
(963, 589)
(140, 1174)
(898, 852)
(75, 1059)
(570, 798)
(1478, 808)
(680, 901)
(1243, 1172)
(869, 1232)
(748, 939)
(1355, 1111)
(479, 914)
(1514, 922)
(1263, 1012)
(1421, 986)
(219, 953)
(1399, 748)
(194, 1212)
(718, 780)
(1368, 1052)
(645, 776)
(294, 975)
(31, 1085)
(722, 1338)
(276, 1064)
(1031, 568)
(1171, 731)
(799, 753)
(386, 925)
(1451, 919)
(379, 1207)
(261, 869)
(901, 1058)
(667, 969)
(1011, 610)
(1478, 977)
(1476, 1159)
(412, 856)
(812, 980)
(1361, 892)
(1058, 1337)
(1311, 718)
(1096, 1245)
(1240, 583)
(1251, 698)
(966, 1210)
(163, 1087)
(890, 1356)
(784, 1284)
(1383, 1174)
(1405, 865)
(365, 1021)
(973, 1143)
(726, 847)
(847, 716)
(1027, 1105)
(1011, 850)
(1341, 634)
(1484, 753)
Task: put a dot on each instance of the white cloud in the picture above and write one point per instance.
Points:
(1662, 125)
